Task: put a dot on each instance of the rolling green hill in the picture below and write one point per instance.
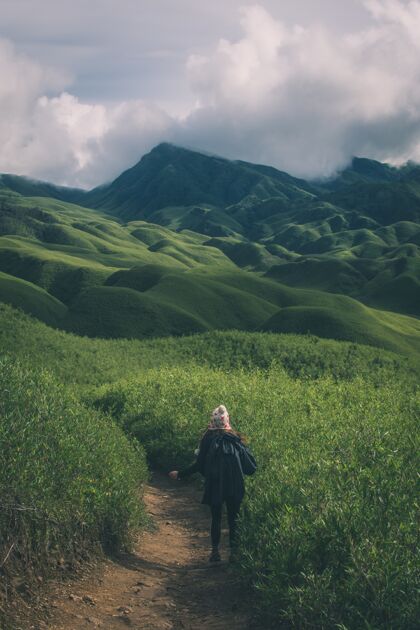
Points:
(190, 280)
(362, 227)
(186, 242)
(31, 299)
(93, 362)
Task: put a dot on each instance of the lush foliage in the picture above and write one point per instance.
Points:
(90, 362)
(328, 531)
(70, 480)
(327, 534)
(328, 527)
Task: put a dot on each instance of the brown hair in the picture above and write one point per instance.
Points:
(241, 436)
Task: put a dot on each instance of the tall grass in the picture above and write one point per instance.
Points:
(69, 478)
(91, 362)
(328, 531)
(328, 528)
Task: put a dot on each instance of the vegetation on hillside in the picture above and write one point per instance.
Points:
(356, 234)
(88, 363)
(156, 248)
(70, 481)
(237, 254)
(330, 513)
(83, 272)
(329, 528)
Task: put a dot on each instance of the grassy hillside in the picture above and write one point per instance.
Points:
(81, 361)
(153, 301)
(31, 299)
(331, 513)
(239, 255)
(356, 234)
(331, 424)
(365, 221)
(218, 245)
(348, 320)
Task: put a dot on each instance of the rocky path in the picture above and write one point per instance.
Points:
(167, 582)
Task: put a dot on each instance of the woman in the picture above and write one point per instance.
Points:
(223, 459)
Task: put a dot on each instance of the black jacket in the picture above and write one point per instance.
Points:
(223, 460)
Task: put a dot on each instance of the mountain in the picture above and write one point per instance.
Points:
(170, 176)
(174, 177)
(357, 233)
(29, 187)
(186, 242)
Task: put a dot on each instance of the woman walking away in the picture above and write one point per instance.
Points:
(223, 459)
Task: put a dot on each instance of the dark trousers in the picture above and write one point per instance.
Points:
(232, 508)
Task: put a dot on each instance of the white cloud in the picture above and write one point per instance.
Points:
(22, 83)
(248, 69)
(304, 99)
(133, 128)
(59, 138)
(398, 14)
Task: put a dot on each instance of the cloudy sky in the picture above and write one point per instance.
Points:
(88, 86)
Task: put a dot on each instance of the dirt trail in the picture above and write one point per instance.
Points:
(167, 582)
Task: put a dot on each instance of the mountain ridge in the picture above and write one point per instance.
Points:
(181, 227)
(166, 157)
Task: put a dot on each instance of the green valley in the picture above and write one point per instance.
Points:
(185, 242)
(129, 311)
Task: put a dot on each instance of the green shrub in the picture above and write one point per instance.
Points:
(328, 529)
(69, 477)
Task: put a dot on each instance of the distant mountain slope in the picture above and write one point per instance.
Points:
(367, 171)
(34, 188)
(186, 242)
(365, 220)
(171, 176)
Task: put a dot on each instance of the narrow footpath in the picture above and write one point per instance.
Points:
(167, 582)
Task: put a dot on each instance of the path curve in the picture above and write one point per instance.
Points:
(167, 582)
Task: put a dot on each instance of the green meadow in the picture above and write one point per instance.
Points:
(328, 530)
(128, 312)
(97, 277)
